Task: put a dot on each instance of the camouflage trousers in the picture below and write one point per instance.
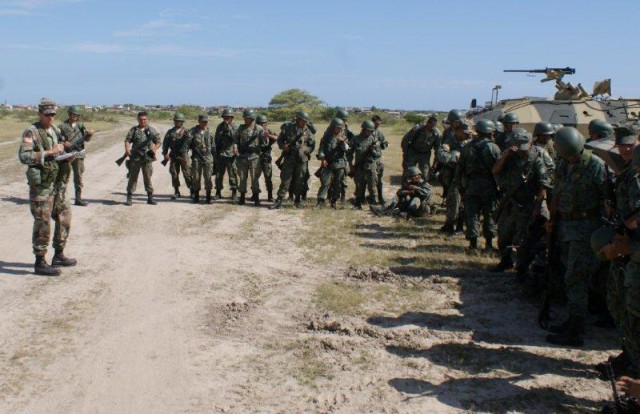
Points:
(267, 170)
(201, 171)
(476, 205)
(56, 207)
(512, 227)
(134, 170)
(580, 262)
(414, 206)
(631, 330)
(228, 165)
(330, 180)
(380, 168)
(450, 193)
(416, 158)
(293, 175)
(366, 179)
(78, 171)
(176, 165)
(249, 168)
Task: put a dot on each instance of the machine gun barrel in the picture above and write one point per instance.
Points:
(566, 71)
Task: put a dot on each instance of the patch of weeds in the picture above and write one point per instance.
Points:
(340, 298)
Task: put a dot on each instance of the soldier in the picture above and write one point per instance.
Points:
(201, 142)
(413, 199)
(250, 139)
(522, 177)
(575, 209)
(140, 146)
(362, 160)
(74, 135)
(419, 143)
(297, 143)
(47, 181)
(510, 121)
(599, 129)
(265, 156)
(333, 158)
(383, 144)
(477, 184)
(342, 114)
(448, 156)
(227, 151)
(178, 158)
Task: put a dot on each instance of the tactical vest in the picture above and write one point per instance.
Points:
(46, 173)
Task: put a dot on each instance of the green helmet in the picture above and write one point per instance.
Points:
(249, 113)
(368, 125)
(510, 118)
(569, 142)
(454, 115)
(601, 128)
(262, 119)
(337, 122)
(557, 127)
(543, 128)
(178, 116)
(599, 239)
(227, 112)
(74, 109)
(302, 115)
(413, 171)
(499, 126)
(342, 114)
(485, 126)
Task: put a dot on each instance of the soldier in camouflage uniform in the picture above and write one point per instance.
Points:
(419, 143)
(173, 150)
(362, 159)
(227, 151)
(74, 133)
(332, 154)
(412, 200)
(265, 155)
(383, 144)
(201, 142)
(510, 121)
(47, 181)
(297, 143)
(477, 185)
(576, 206)
(251, 139)
(342, 114)
(141, 145)
(522, 176)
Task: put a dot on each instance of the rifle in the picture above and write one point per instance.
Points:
(77, 142)
(619, 405)
(281, 157)
(120, 160)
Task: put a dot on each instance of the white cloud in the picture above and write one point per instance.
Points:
(157, 28)
(29, 7)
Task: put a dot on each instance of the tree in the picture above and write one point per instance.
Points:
(414, 118)
(285, 104)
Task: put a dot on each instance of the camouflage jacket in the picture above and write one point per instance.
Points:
(174, 141)
(301, 143)
(382, 142)
(525, 176)
(473, 173)
(141, 141)
(423, 192)
(265, 150)
(201, 143)
(69, 133)
(364, 151)
(334, 150)
(251, 139)
(627, 191)
(419, 140)
(225, 139)
(448, 153)
(42, 171)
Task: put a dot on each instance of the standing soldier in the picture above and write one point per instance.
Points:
(140, 146)
(251, 139)
(362, 160)
(523, 178)
(202, 145)
(575, 209)
(344, 116)
(265, 156)
(383, 144)
(74, 135)
(297, 143)
(333, 158)
(47, 181)
(174, 141)
(418, 144)
(227, 151)
(477, 184)
(510, 121)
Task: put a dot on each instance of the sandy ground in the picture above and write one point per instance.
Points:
(181, 308)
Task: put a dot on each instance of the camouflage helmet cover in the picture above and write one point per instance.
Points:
(47, 106)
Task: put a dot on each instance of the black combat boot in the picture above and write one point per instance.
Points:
(506, 263)
(357, 204)
(304, 196)
(233, 196)
(270, 195)
(296, 202)
(319, 204)
(571, 335)
(473, 243)
(256, 199)
(371, 200)
(447, 228)
(277, 204)
(488, 244)
(196, 197)
(42, 268)
(59, 259)
(218, 195)
(242, 200)
(460, 224)
(150, 199)
(333, 204)
(79, 201)
(208, 197)
(129, 200)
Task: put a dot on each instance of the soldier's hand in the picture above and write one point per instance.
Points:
(57, 148)
(629, 386)
(511, 150)
(90, 132)
(325, 163)
(286, 148)
(166, 157)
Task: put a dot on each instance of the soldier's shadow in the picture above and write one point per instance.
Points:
(16, 200)
(14, 268)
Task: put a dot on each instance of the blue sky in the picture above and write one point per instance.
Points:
(393, 54)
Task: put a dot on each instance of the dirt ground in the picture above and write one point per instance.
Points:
(182, 308)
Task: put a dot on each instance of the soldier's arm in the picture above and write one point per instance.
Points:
(27, 154)
(155, 138)
(384, 144)
(311, 144)
(127, 142)
(165, 143)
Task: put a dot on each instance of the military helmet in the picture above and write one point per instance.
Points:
(337, 122)
(342, 114)
(543, 128)
(626, 135)
(454, 115)
(262, 119)
(485, 126)
(74, 109)
(569, 141)
(302, 115)
(557, 127)
(499, 126)
(413, 171)
(601, 128)
(203, 118)
(635, 156)
(249, 113)
(227, 112)
(510, 118)
(521, 138)
(368, 125)
(599, 239)
(178, 116)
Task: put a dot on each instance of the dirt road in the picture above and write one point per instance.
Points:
(182, 308)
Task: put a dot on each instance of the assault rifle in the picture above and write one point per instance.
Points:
(120, 160)
(292, 143)
(76, 142)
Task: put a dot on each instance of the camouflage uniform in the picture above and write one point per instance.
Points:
(416, 203)
(69, 132)
(334, 152)
(174, 141)
(295, 164)
(343, 183)
(141, 141)
(226, 147)
(417, 145)
(265, 165)
(203, 149)
(382, 144)
(447, 156)
(250, 139)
